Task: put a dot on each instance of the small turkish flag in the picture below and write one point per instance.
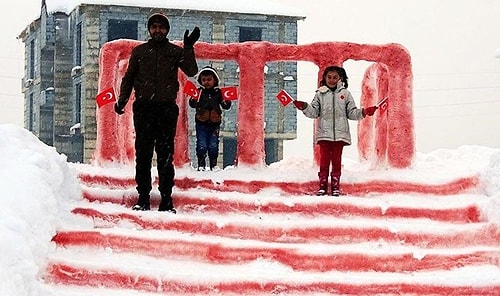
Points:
(284, 97)
(191, 90)
(383, 105)
(229, 93)
(105, 97)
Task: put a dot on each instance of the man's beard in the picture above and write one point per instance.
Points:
(158, 36)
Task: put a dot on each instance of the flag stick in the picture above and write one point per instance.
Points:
(381, 102)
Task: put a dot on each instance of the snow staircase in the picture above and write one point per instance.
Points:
(244, 238)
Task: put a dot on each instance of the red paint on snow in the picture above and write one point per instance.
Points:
(486, 235)
(220, 253)
(181, 152)
(375, 129)
(457, 186)
(254, 186)
(187, 202)
(466, 214)
(114, 136)
(69, 275)
(286, 242)
(109, 181)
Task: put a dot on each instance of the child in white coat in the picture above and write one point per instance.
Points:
(334, 105)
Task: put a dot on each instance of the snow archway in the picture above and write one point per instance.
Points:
(388, 138)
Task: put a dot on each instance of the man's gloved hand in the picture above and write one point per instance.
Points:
(119, 109)
(370, 110)
(190, 39)
(300, 104)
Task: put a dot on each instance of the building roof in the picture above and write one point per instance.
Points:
(265, 7)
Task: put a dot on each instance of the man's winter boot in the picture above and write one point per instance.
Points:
(213, 163)
(335, 184)
(142, 204)
(201, 163)
(323, 184)
(166, 204)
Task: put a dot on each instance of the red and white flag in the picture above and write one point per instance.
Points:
(229, 93)
(383, 105)
(105, 97)
(284, 97)
(191, 90)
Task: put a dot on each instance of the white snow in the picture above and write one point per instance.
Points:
(251, 7)
(39, 188)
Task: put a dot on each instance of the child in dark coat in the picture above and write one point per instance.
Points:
(208, 117)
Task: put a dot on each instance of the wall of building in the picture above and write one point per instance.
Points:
(70, 76)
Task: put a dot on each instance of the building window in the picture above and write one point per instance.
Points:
(78, 103)
(31, 112)
(78, 45)
(271, 149)
(32, 60)
(118, 29)
(250, 34)
(229, 153)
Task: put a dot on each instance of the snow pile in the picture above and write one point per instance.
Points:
(34, 179)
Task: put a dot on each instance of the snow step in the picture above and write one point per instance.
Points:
(298, 229)
(157, 275)
(225, 203)
(245, 237)
(460, 185)
(297, 256)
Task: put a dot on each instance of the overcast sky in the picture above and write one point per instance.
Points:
(456, 88)
(452, 44)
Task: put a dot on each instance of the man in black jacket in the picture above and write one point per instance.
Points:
(152, 74)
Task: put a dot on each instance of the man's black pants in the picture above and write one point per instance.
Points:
(155, 126)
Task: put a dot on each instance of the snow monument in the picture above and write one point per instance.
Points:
(386, 139)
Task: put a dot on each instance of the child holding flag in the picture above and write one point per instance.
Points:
(208, 116)
(333, 105)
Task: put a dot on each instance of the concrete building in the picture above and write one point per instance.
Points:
(61, 67)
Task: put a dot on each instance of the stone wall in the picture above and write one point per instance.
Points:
(216, 27)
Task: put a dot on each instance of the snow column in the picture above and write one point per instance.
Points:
(115, 134)
(181, 149)
(400, 128)
(373, 130)
(252, 58)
